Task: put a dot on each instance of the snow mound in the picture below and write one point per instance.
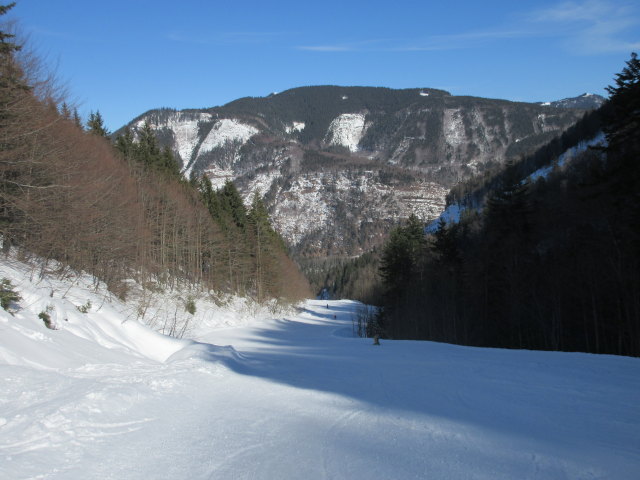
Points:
(88, 324)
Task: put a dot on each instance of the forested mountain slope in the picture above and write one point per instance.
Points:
(355, 160)
(545, 254)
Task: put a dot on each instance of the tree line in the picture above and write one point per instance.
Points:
(121, 209)
(552, 264)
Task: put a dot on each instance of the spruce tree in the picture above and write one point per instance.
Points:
(95, 125)
(622, 118)
(76, 118)
(147, 150)
(125, 144)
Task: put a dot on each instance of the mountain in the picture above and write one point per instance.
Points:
(586, 101)
(337, 166)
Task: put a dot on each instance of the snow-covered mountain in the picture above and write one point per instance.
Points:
(290, 396)
(351, 161)
(586, 101)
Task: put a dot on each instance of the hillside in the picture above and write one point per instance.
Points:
(356, 160)
(542, 254)
(123, 211)
(265, 397)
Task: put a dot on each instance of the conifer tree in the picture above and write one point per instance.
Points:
(168, 162)
(95, 125)
(232, 204)
(65, 111)
(623, 117)
(147, 149)
(76, 118)
(125, 144)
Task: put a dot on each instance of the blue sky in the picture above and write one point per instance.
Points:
(124, 57)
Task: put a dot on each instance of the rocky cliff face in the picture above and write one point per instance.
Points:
(338, 166)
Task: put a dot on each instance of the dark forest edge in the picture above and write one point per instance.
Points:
(122, 210)
(551, 264)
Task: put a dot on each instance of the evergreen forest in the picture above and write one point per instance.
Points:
(551, 263)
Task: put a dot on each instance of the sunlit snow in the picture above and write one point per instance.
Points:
(227, 130)
(295, 127)
(347, 130)
(293, 396)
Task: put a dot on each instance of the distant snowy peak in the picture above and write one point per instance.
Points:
(347, 130)
(586, 101)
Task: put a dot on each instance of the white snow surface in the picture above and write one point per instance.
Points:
(295, 127)
(454, 132)
(295, 397)
(567, 156)
(227, 130)
(347, 130)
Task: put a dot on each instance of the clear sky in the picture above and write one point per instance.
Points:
(124, 57)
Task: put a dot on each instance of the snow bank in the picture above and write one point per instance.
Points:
(89, 324)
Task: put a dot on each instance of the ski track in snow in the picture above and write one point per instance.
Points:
(300, 397)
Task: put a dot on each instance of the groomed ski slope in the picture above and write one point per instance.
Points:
(301, 398)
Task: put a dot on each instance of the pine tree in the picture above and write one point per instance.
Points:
(125, 144)
(402, 255)
(168, 162)
(147, 150)
(622, 119)
(65, 112)
(95, 125)
(76, 118)
(232, 204)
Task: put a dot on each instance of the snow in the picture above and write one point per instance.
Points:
(294, 396)
(453, 124)
(223, 131)
(227, 130)
(424, 94)
(347, 130)
(450, 215)
(567, 156)
(295, 127)
(219, 176)
(185, 129)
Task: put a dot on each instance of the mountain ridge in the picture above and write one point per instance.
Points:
(361, 157)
